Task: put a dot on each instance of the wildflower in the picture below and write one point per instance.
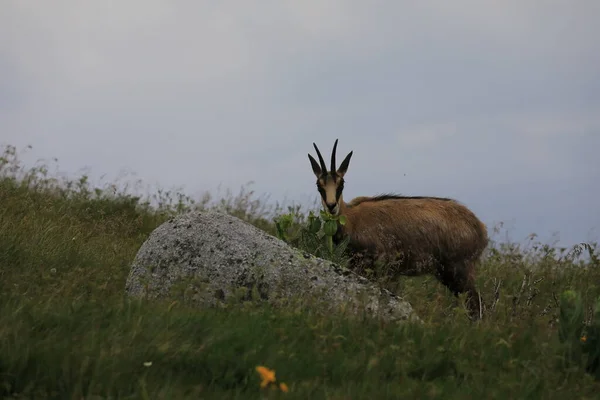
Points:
(267, 375)
(583, 339)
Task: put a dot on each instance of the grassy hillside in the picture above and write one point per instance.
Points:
(67, 331)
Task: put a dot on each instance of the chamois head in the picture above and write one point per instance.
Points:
(330, 183)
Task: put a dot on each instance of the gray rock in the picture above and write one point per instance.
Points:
(209, 258)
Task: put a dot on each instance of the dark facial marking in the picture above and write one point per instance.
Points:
(339, 189)
(320, 189)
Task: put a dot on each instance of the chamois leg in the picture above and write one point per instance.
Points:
(459, 277)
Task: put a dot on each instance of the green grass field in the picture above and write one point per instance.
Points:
(67, 331)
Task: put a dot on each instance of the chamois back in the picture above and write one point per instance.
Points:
(418, 227)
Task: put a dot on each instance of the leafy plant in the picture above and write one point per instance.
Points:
(315, 235)
(282, 226)
(330, 227)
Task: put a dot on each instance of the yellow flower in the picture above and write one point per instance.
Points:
(267, 375)
(583, 338)
(283, 387)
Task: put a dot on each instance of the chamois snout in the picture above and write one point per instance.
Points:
(332, 207)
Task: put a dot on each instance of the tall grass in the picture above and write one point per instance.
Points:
(68, 331)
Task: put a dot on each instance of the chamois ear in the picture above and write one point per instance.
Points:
(315, 167)
(344, 165)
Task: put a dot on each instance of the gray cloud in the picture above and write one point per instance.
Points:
(496, 104)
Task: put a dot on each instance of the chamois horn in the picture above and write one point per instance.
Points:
(333, 156)
(323, 167)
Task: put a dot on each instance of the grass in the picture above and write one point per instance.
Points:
(67, 331)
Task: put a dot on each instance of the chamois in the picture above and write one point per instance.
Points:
(412, 235)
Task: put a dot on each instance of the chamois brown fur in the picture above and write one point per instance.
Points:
(410, 235)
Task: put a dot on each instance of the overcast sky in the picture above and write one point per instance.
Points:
(496, 104)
